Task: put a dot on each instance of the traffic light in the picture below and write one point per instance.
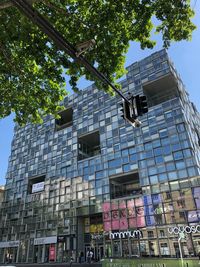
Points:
(125, 109)
(128, 112)
(141, 105)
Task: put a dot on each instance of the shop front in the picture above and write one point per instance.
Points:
(9, 251)
(45, 249)
(97, 246)
(119, 244)
(65, 248)
(93, 238)
(158, 225)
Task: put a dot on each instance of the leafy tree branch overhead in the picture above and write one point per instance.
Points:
(32, 67)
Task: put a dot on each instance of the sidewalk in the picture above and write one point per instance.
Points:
(66, 264)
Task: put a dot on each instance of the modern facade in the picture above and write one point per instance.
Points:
(90, 180)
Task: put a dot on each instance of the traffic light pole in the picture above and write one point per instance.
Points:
(46, 27)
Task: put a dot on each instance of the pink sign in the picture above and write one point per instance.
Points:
(123, 224)
(119, 216)
(139, 202)
(130, 212)
(122, 204)
(114, 205)
(106, 216)
(130, 203)
(106, 206)
(115, 225)
(140, 222)
(107, 226)
(132, 223)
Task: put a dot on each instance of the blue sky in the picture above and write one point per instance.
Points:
(185, 55)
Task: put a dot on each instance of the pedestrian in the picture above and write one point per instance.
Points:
(89, 255)
(10, 258)
(71, 258)
(82, 256)
(7, 257)
(79, 257)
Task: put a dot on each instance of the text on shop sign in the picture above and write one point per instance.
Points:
(125, 234)
(184, 229)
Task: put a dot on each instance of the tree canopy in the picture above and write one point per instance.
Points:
(32, 68)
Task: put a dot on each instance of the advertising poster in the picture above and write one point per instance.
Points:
(52, 253)
(107, 226)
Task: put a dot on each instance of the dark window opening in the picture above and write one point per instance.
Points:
(96, 219)
(161, 90)
(36, 184)
(89, 146)
(150, 234)
(65, 119)
(162, 234)
(125, 185)
(168, 195)
(182, 214)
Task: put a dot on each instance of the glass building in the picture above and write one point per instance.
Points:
(91, 180)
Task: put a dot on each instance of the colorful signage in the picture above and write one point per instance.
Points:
(125, 234)
(184, 229)
(52, 253)
(151, 210)
(123, 215)
(115, 235)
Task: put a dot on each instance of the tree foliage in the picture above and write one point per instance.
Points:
(32, 68)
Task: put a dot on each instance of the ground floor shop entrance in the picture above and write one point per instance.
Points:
(97, 250)
(11, 255)
(154, 242)
(39, 254)
(9, 251)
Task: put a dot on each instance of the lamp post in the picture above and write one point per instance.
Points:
(181, 236)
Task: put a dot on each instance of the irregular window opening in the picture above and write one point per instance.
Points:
(89, 146)
(161, 90)
(126, 185)
(36, 184)
(65, 119)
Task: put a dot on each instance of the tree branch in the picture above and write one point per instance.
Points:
(10, 3)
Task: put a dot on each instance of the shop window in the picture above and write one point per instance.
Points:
(164, 249)
(89, 145)
(151, 249)
(65, 119)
